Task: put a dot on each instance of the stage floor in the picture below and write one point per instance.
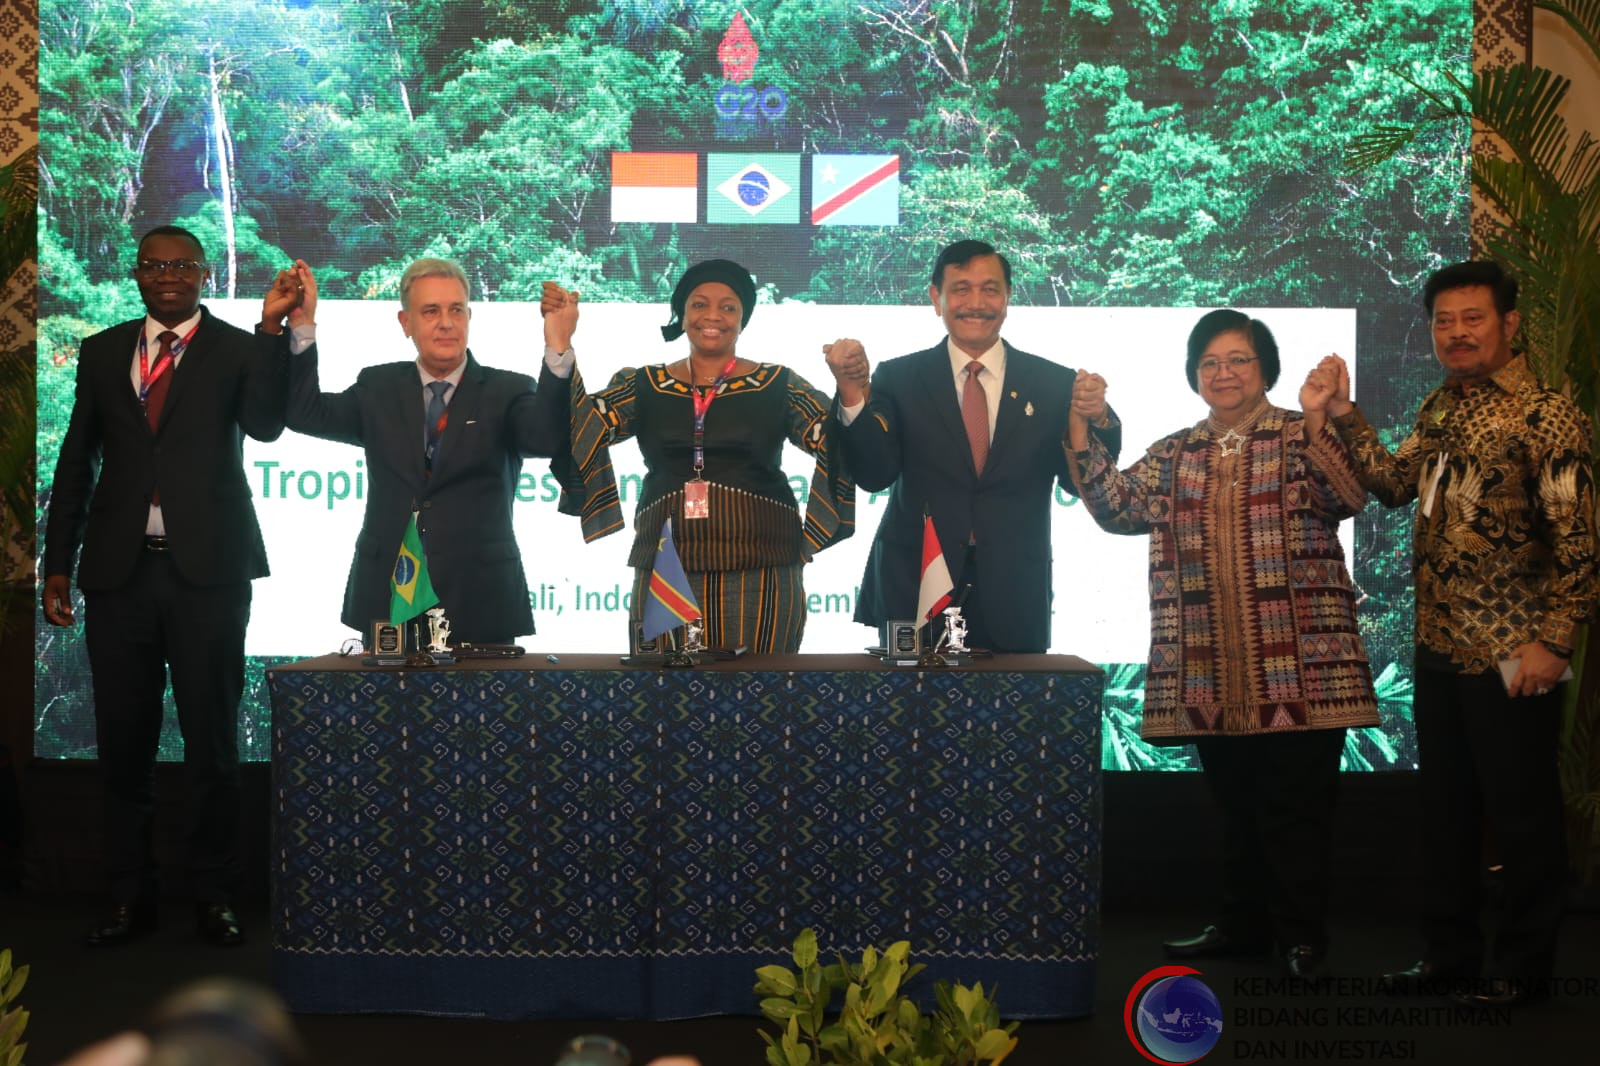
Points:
(76, 996)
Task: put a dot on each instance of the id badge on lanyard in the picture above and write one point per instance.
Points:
(697, 492)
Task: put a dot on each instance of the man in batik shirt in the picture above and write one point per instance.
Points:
(1499, 467)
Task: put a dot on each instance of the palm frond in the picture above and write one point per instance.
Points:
(1521, 105)
(1382, 143)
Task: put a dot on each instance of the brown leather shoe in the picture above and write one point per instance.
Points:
(121, 923)
(217, 924)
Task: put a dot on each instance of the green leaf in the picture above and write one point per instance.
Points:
(805, 949)
(778, 980)
(994, 1043)
(779, 1009)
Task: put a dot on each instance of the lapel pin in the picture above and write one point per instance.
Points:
(1027, 408)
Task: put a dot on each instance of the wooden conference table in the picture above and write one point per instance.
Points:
(522, 838)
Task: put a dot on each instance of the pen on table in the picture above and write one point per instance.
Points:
(551, 659)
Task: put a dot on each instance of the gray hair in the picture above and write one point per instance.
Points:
(431, 268)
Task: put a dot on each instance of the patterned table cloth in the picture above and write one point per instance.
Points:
(531, 840)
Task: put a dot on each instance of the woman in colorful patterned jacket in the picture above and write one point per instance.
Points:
(1255, 657)
(711, 427)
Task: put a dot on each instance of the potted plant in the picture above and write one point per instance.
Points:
(13, 1019)
(875, 1025)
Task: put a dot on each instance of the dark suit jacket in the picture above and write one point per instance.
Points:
(227, 384)
(910, 436)
(496, 417)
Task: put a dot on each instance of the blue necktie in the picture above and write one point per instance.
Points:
(434, 418)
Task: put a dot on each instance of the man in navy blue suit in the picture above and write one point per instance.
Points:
(969, 431)
(445, 438)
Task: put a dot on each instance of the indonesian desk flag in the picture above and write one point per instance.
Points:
(670, 602)
(934, 594)
(411, 588)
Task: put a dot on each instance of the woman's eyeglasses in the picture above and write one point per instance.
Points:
(1209, 367)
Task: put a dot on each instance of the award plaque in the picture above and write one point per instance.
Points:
(386, 644)
(641, 646)
(658, 651)
(902, 643)
(387, 639)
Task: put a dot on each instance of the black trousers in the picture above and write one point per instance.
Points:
(979, 632)
(1487, 759)
(1276, 792)
(134, 635)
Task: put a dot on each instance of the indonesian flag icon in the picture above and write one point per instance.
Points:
(934, 594)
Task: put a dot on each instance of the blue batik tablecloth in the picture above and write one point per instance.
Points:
(524, 840)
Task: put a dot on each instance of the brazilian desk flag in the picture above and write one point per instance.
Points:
(671, 600)
(412, 590)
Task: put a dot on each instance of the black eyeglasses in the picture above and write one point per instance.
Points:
(154, 268)
(1209, 367)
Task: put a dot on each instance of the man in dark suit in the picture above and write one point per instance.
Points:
(150, 482)
(445, 438)
(969, 431)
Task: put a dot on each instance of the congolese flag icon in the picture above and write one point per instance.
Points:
(655, 187)
(412, 589)
(855, 190)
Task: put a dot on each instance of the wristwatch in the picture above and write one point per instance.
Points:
(1557, 650)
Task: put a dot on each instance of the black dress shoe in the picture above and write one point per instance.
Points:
(1425, 977)
(1497, 992)
(1213, 943)
(1305, 962)
(123, 922)
(218, 924)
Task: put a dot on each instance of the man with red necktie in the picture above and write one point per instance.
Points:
(970, 432)
(150, 484)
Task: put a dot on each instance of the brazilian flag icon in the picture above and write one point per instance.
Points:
(412, 589)
(754, 187)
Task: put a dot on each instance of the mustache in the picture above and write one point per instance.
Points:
(982, 316)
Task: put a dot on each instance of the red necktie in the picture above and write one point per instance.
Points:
(156, 395)
(975, 414)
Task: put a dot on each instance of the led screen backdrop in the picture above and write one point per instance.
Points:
(1139, 162)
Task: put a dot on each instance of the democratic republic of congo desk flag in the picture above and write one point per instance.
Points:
(671, 601)
(933, 595)
(412, 590)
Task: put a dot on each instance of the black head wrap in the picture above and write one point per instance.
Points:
(726, 271)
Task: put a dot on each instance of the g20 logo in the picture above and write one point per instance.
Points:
(746, 102)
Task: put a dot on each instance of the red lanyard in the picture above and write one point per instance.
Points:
(702, 404)
(165, 361)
